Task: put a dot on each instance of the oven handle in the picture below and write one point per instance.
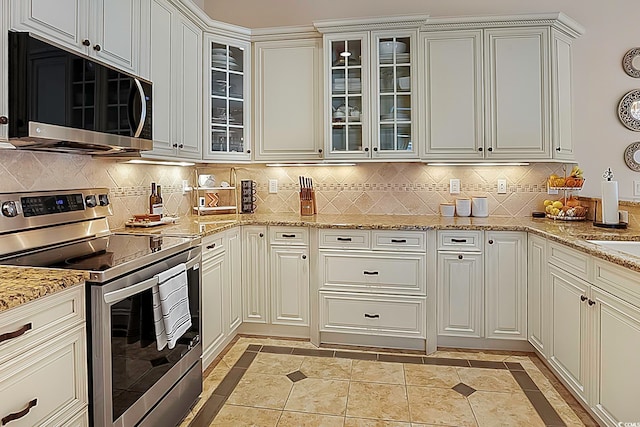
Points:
(123, 293)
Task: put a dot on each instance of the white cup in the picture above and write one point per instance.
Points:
(480, 206)
(206, 180)
(463, 207)
(447, 209)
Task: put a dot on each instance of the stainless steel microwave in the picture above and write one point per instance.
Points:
(64, 102)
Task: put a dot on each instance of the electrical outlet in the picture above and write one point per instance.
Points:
(454, 186)
(552, 191)
(273, 186)
(502, 186)
(636, 188)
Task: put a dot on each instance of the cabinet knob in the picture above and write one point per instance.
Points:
(480, 149)
(375, 148)
(86, 42)
(490, 242)
(558, 148)
(97, 48)
(319, 150)
(180, 145)
(261, 234)
(583, 298)
(591, 302)
(460, 257)
(4, 120)
(304, 257)
(490, 149)
(175, 145)
(248, 151)
(366, 148)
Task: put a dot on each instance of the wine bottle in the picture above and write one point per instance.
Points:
(152, 197)
(158, 207)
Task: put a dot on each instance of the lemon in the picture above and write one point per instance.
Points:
(557, 204)
(555, 211)
(548, 202)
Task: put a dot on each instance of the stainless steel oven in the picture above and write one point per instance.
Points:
(132, 383)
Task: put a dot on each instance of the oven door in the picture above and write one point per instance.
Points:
(131, 378)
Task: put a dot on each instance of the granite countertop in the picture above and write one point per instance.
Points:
(19, 285)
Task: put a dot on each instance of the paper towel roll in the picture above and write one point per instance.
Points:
(610, 202)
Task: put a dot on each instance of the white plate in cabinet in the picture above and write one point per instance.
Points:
(37, 322)
(289, 236)
(389, 240)
(380, 272)
(355, 239)
(390, 315)
(454, 240)
(47, 380)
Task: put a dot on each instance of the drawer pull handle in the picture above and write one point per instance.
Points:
(370, 273)
(15, 334)
(372, 316)
(343, 239)
(211, 246)
(289, 236)
(18, 415)
(459, 240)
(398, 240)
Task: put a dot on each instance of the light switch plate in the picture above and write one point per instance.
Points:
(454, 186)
(273, 186)
(636, 188)
(502, 186)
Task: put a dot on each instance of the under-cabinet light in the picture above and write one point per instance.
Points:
(477, 164)
(281, 165)
(159, 162)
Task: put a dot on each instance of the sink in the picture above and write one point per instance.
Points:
(628, 247)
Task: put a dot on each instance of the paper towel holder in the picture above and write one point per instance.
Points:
(619, 225)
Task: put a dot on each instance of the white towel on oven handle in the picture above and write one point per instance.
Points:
(171, 306)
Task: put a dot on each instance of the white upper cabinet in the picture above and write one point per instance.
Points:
(288, 100)
(112, 31)
(227, 99)
(498, 90)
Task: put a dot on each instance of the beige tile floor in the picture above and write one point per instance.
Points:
(367, 393)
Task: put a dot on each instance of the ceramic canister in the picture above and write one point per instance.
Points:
(463, 207)
(447, 209)
(480, 206)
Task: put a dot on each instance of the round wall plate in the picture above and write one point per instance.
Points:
(632, 156)
(629, 110)
(631, 62)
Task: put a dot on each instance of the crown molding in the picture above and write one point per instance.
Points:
(373, 23)
(284, 33)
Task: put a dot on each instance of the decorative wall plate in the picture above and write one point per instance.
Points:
(629, 110)
(631, 62)
(632, 156)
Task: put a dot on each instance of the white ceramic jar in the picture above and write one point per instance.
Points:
(447, 209)
(463, 207)
(480, 206)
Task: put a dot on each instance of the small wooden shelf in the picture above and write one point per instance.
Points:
(214, 188)
(213, 209)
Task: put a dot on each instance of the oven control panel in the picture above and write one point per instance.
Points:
(46, 205)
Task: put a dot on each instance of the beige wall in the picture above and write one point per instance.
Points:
(599, 81)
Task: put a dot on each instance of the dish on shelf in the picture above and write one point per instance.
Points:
(391, 117)
(400, 57)
(388, 47)
(219, 51)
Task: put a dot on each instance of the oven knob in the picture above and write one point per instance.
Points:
(91, 201)
(10, 209)
(104, 199)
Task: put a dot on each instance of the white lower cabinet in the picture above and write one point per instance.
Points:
(537, 293)
(214, 276)
(254, 274)
(43, 370)
(482, 287)
(289, 285)
(233, 286)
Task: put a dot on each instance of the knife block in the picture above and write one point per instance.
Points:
(308, 203)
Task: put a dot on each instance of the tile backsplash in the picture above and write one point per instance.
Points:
(397, 188)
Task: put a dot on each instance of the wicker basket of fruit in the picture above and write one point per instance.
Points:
(574, 181)
(565, 209)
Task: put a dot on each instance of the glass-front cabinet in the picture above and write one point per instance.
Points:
(229, 104)
(348, 95)
(370, 107)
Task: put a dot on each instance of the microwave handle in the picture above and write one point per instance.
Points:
(123, 293)
(143, 110)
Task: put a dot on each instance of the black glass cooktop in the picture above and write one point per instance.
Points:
(122, 252)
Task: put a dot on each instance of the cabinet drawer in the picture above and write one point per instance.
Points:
(344, 239)
(40, 320)
(618, 281)
(382, 272)
(289, 236)
(212, 245)
(460, 240)
(399, 241)
(372, 314)
(55, 375)
(570, 260)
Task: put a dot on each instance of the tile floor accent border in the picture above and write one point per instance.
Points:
(222, 392)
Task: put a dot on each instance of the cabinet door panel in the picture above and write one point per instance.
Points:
(116, 28)
(452, 104)
(213, 278)
(63, 21)
(460, 291)
(517, 90)
(188, 93)
(290, 286)
(568, 352)
(288, 100)
(538, 292)
(234, 282)
(617, 344)
(254, 274)
(505, 285)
